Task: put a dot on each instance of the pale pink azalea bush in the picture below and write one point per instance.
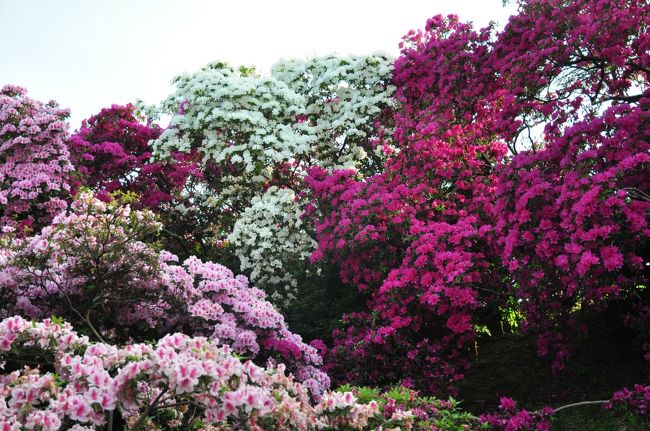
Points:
(177, 382)
(34, 158)
(99, 268)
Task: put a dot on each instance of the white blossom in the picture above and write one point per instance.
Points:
(271, 242)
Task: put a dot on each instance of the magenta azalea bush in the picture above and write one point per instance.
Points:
(463, 217)
(111, 153)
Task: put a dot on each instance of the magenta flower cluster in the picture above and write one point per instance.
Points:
(111, 152)
(521, 171)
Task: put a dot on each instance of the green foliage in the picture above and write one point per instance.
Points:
(511, 315)
(323, 300)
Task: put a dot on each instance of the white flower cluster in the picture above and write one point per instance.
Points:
(321, 110)
(344, 95)
(254, 131)
(271, 242)
(235, 117)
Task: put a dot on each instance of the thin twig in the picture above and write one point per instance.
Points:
(581, 403)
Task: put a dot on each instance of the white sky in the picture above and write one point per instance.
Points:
(88, 54)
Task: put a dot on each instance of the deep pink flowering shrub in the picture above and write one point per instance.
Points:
(510, 418)
(111, 152)
(635, 400)
(572, 227)
(34, 158)
(427, 242)
(178, 382)
(571, 214)
(414, 241)
(98, 267)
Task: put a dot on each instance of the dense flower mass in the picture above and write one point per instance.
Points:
(348, 102)
(568, 230)
(178, 380)
(483, 175)
(35, 161)
(270, 240)
(111, 153)
(98, 267)
(571, 214)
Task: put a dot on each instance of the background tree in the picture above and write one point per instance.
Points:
(257, 135)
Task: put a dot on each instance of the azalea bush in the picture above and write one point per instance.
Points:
(111, 153)
(271, 240)
(548, 116)
(99, 267)
(414, 239)
(179, 382)
(571, 214)
(34, 159)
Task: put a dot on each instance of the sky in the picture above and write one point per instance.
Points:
(89, 54)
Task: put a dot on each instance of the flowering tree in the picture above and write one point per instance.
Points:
(414, 238)
(34, 158)
(98, 267)
(406, 241)
(256, 132)
(348, 104)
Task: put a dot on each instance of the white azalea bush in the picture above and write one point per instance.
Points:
(236, 119)
(324, 111)
(271, 241)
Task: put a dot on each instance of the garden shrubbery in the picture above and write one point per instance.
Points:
(403, 202)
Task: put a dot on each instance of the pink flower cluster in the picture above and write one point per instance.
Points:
(572, 221)
(178, 379)
(223, 306)
(95, 267)
(636, 400)
(34, 158)
(509, 418)
(410, 239)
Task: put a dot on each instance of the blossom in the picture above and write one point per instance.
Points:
(35, 159)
